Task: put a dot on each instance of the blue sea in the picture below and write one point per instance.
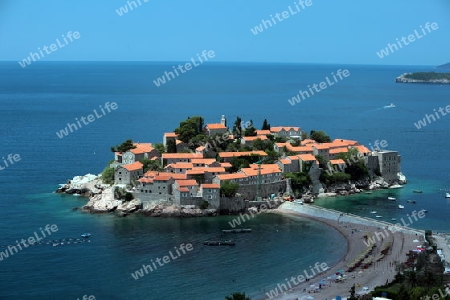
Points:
(41, 99)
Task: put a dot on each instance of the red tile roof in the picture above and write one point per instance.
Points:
(285, 128)
(186, 182)
(263, 132)
(255, 172)
(338, 150)
(231, 176)
(134, 166)
(307, 157)
(337, 161)
(215, 126)
(210, 186)
(254, 138)
(181, 155)
(142, 148)
(170, 134)
(181, 165)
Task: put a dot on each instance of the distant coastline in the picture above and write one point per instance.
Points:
(424, 77)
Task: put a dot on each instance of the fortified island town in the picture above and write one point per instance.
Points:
(215, 169)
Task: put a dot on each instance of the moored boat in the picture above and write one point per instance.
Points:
(401, 206)
(418, 191)
(447, 195)
(391, 198)
(86, 235)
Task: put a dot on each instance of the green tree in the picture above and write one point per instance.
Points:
(352, 293)
(160, 147)
(304, 135)
(189, 128)
(238, 163)
(108, 175)
(319, 136)
(124, 147)
(237, 296)
(299, 180)
(237, 128)
(265, 126)
(403, 293)
(258, 144)
(229, 189)
(250, 130)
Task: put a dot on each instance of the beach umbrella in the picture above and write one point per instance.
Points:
(310, 298)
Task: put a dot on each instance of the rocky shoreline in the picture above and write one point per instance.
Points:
(102, 198)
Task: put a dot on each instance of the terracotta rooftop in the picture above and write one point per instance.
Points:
(211, 186)
(142, 148)
(182, 155)
(134, 166)
(215, 126)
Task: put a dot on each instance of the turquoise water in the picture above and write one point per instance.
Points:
(39, 101)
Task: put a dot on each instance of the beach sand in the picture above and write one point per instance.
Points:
(377, 274)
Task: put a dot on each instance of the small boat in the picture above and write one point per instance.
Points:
(411, 201)
(86, 235)
(401, 206)
(424, 210)
(237, 230)
(378, 216)
(391, 198)
(76, 194)
(220, 243)
(447, 195)
(390, 105)
(393, 219)
(373, 212)
(56, 244)
(418, 191)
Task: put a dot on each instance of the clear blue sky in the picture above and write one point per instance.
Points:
(345, 31)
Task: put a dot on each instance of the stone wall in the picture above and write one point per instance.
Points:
(249, 191)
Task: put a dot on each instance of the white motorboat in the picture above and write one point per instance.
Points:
(390, 105)
(378, 216)
(447, 195)
(401, 206)
(373, 212)
(391, 198)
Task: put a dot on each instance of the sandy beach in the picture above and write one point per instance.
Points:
(353, 230)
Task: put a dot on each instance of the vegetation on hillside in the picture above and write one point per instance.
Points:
(108, 175)
(420, 277)
(124, 147)
(229, 189)
(428, 76)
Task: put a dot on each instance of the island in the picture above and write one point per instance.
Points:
(424, 77)
(444, 66)
(210, 169)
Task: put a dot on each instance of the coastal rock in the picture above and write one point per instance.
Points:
(103, 202)
(174, 211)
(129, 206)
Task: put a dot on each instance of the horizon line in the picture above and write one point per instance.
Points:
(224, 62)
